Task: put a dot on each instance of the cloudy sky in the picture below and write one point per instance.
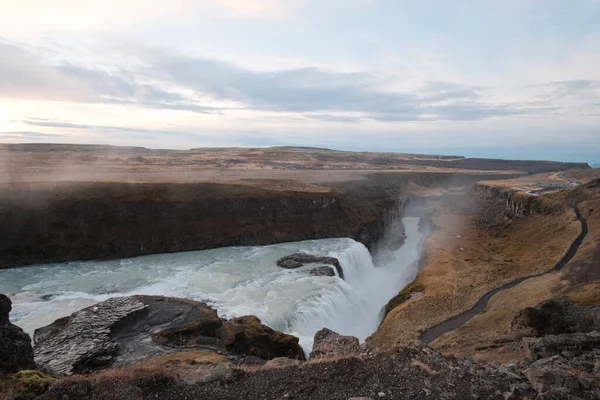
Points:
(493, 78)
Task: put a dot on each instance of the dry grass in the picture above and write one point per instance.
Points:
(493, 324)
(229, 165)
(24, 384)
(587, 294)
(190, 357)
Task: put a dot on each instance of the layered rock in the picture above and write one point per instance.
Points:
(256, 339)
(298, 260)
(328, 344)
(117, 220)
(517, 203)
(415, 372)
(564, 366)
(122, 331)
(556, 317)
(16, 353)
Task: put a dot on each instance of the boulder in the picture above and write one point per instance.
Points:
(298, 260)
(329, 344)
(256, 339)
(573, 344)
(16, 352)
(557, 317)
(122, 331)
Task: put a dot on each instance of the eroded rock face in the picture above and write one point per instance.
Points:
(417, 372)
(298, 260)
(122, 331)
(16, 353)
(556, 317)
(329, 344)
(256, 339)
(565, 366)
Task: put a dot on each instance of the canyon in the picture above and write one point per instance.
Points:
(484, 238)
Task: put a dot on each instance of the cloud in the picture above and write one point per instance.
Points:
(24, 75)
(315, 90)
(578, 97)
(163, 80)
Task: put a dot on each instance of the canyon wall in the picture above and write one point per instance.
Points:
(518, 203)
(67, 221)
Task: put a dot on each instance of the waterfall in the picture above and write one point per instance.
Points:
(236, 281)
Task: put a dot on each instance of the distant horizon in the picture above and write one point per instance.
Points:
(469, 154)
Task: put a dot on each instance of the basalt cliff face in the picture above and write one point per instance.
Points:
(111, 220)
(518, 203)
(82, 221)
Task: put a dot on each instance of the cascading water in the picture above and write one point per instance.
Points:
(236, 281)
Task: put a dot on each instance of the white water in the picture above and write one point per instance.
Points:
(235, 280)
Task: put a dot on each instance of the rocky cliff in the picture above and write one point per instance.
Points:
(518, 203)
(112, 220)
(45, 223)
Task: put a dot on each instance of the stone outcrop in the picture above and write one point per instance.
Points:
(556, 317)
(415, 372)
(16, 353)
(123, 331)
(298, 260)
(564, 366)
(517, 203)
(342, 369)
(572, 345)
(328, 344)
(256, 339)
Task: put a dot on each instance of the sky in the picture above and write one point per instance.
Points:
(494, 78)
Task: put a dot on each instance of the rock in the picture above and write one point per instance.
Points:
(5, 309)
(391, 373)
(322, 271)
(556, 317)
(298, 260)
(122, 331)
(256, 339)
(552, 345)
(328, 344)
(16, 353)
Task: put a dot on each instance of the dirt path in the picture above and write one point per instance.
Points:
(431, 334)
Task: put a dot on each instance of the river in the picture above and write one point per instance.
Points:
(236, 281)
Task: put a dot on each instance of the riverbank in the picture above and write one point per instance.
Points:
(483, 242)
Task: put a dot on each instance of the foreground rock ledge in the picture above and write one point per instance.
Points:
(16, 353)
(121, 331)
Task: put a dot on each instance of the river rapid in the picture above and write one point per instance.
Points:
(236, 281)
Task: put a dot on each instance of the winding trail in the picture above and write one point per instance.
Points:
(431, 334)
